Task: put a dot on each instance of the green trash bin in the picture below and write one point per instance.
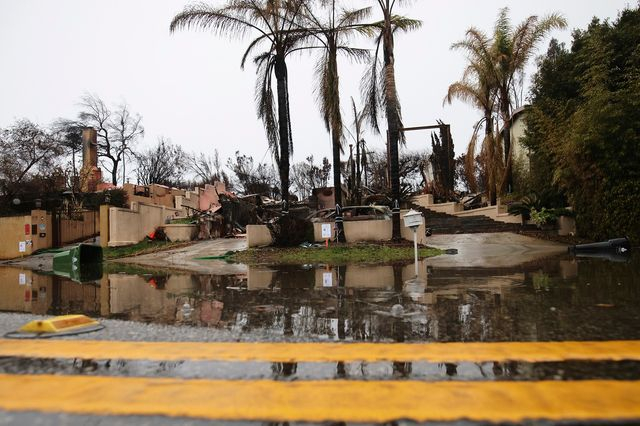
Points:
(82, 263)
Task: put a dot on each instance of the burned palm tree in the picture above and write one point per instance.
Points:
(272, 21)
(329, 30)
(379, 89)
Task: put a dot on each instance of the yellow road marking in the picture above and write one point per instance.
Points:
(325, 352)
(324, 400)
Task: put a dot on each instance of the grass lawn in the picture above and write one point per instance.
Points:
(342, 254)
(143, 247)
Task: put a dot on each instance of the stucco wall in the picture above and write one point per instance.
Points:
(130, 226)
(518, 129)
(180, 232)
(497, 212)
(258, 235)
(13, 231)
(372, 230)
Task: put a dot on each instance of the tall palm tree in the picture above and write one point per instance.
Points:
(380, 91)
(330, 35)
(502, 59)
(478, 88)
(272, 22)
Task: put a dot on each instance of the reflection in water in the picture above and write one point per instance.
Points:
(553, 299)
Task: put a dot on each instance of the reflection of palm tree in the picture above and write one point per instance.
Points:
(383, 32)
(272, 20)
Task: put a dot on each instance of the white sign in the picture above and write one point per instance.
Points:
(22, 246)
(326, 230)
(22, 279)
(327, 279)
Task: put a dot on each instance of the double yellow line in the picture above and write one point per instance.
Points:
(317, 401)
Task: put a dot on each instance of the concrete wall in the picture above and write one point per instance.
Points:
(16, 229)
(180, 232)
(426, 201)
(202, 198)
(497, 212)
(158, 194)
(130, 226)
(520, 152)
(258, 235)
(356, 230)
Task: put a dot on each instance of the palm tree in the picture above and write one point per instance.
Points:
(272, 21)
(477, 87)
(330, 36)
(501, 61)
(372, 87)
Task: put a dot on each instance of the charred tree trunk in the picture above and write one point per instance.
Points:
(284, 129)
(393, 122)
(507, 177)
(491, 178)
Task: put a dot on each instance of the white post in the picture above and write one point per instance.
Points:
(415, 248)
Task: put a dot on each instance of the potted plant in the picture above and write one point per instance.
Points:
(544, 218)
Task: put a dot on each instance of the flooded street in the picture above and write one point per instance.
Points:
(559, 298)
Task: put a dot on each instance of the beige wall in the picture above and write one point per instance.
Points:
(180, 232)
(130, 226)
(426, 201)
(357, 230)
(258, 235)
(12, 232)
(372, 230)
(520, 153)
(158, 194)
(497, 212)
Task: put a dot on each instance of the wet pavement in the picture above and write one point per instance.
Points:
(514, 291)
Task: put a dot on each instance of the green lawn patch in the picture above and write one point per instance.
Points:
(143, 247)
(335, 255)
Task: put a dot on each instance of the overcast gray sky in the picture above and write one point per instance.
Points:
(189, 86)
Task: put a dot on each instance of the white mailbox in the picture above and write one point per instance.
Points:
(412, 219)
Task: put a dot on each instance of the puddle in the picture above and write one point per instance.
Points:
(562, 298)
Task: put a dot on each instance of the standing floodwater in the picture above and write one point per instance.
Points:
(561, 298)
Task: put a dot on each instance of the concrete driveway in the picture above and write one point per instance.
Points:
(493, 250)
(190, 258)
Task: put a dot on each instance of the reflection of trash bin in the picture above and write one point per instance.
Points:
(81, 263)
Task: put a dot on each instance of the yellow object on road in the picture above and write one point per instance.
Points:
(56, 326)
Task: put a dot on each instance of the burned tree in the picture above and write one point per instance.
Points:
(162, 164)
(443, 163)
(118, 130)
(27, 150)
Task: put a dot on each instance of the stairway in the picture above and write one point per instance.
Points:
(443, 223)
